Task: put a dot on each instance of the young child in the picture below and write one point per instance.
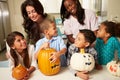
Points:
(84, 40)
(107, 42)
(51, 40)
(20, 53)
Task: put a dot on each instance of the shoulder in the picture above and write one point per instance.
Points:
(40, 41)
(113, 39)
(72, 47)
(58, 38)
(89, 11)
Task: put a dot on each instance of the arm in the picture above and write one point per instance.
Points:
(84, 75)
(57, 54)
(31, 69)
(44, 45)
(81, 74)
(70, 38)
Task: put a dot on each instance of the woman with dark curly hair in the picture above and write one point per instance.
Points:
(33, 15)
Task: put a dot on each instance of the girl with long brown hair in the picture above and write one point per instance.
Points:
(20, 53)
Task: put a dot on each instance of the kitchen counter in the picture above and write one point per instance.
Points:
(64, 74)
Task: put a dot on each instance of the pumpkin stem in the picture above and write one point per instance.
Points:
(82, 51)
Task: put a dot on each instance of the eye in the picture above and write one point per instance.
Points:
(84, 56)
(88, 55)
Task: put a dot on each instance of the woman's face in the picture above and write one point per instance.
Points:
(70, 6)
(19, 43)
(32, 14)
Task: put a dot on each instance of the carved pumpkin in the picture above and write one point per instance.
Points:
(19, 72)
(114, 68)
(82, 61)
(44, 64)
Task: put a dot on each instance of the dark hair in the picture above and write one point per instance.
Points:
(89, 35)
(10, 41)
(31, 28)
(80, 14)
(112, 28)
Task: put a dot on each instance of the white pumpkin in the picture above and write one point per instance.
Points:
(114, 68)
(82, 62)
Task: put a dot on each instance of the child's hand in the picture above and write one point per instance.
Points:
(26, 77)
(82, 75)
(45, 45)
(54, 56)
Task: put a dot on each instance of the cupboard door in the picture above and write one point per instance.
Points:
(51, 6)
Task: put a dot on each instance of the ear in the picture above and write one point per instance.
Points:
(13, 47)
(107, 35)
(87, 44)
(45, 31)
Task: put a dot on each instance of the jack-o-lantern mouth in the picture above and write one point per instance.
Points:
(55, 66)
(88, 63)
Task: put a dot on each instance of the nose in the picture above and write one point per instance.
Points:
(31, 14)
(69, 8)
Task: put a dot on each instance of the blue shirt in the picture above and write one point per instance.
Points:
(56, 43)
(106, 51)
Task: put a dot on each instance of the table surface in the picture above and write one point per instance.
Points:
(64, 74)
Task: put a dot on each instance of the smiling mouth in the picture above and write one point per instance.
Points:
(88, 63)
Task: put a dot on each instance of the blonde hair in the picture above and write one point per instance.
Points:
(45, 25)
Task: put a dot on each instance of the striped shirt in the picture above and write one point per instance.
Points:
(72, 49)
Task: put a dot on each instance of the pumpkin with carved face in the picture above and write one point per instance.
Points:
(114, 68)
(45, 65)
(19, 72)
(82, 62)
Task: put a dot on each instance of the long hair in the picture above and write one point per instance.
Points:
(31, 28)
(112, 28)
(10, 41)
(80, 13)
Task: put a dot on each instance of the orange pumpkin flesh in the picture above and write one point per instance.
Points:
(44, 64)
(19, 72)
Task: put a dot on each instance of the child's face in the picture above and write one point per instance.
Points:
(101, 31)
(19, 43)
(80, 41)
(52, 31)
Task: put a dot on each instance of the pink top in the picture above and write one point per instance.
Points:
(72, 26)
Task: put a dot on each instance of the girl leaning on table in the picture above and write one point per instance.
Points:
(107, 42)
(20, 53)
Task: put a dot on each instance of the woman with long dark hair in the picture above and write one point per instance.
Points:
(74, 18)
(33, 14)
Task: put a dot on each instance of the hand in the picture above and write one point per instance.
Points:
(84, 75)
(26, 77)
(54, 56)
(45, 45)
